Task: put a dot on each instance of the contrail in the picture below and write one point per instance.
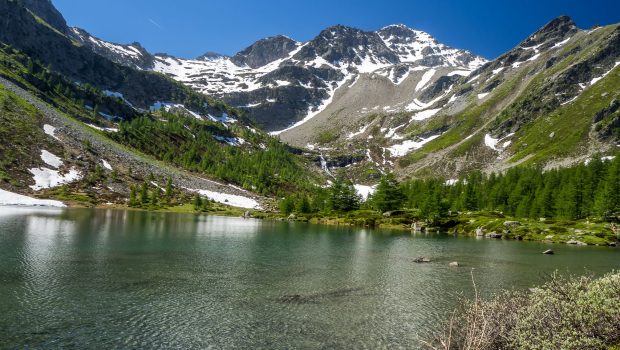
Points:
(155, 23)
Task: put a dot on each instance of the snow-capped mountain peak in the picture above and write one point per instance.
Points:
(281, 81)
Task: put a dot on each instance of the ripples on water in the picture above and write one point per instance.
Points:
(104, 278)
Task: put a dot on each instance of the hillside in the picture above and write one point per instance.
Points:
(282, 116)
(549, 102)
(82, 142)
(398, 100)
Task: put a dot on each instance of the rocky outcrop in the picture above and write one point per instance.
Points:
(265, 51)
(46, 11)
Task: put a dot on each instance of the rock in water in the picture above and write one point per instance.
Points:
(548, 252)
(422, 259)
(454, 263)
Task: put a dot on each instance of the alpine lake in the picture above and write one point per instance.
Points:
(97, 278)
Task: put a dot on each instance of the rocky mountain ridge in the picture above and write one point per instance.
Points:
(280, 82)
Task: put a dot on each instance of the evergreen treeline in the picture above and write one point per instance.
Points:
(193, 144)
(579, 192)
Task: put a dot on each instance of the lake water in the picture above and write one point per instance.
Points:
(84, 278)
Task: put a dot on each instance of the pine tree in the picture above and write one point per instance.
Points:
(343, 196)
(287, 205)
(303, 205)
(133, 192)
(389, 195)
(206, 205)
(197, 202)
(144, 193)
(608, 197)
(155, 197)
(168, 193)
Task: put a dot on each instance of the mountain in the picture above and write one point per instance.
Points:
(278, 81)
(354, 101)
(83, 121)
(551, 101)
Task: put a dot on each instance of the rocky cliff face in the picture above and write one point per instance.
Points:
(265, 51)
(46, 11)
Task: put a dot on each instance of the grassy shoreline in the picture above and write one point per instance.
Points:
(483, 224)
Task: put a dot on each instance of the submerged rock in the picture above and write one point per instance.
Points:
(422, 259)
(548, 252)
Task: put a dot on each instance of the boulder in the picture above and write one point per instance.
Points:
(292, 217)
(548, 252)
(494, 235)
(422, 259)
(512, 223)
(454, 263)
(549, 237)
(575, 242)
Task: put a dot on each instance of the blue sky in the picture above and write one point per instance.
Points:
(188, 28)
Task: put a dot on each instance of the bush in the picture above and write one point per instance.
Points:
(565, 313)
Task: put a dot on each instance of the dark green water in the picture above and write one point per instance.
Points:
(117, 279)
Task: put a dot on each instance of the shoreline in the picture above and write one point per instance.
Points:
(479, 224)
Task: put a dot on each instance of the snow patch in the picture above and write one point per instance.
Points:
(103, 129)
(463, 73)
(533, 58)
(490, 142)
(233, 141)
(51, 159)
(106, 164)
(425, 114)
(48, 178)
(561, 43)
(595, 80)
(426, 78)
(311, 114)
(50, 130)
(364, 191)
(118, 95)
(359, 132)
(404, 148)
(496, 71)
(10, 198)
(229, 199)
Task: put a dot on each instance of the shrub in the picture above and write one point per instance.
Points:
(565, 313)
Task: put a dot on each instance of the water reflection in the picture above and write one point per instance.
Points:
(72, 278)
